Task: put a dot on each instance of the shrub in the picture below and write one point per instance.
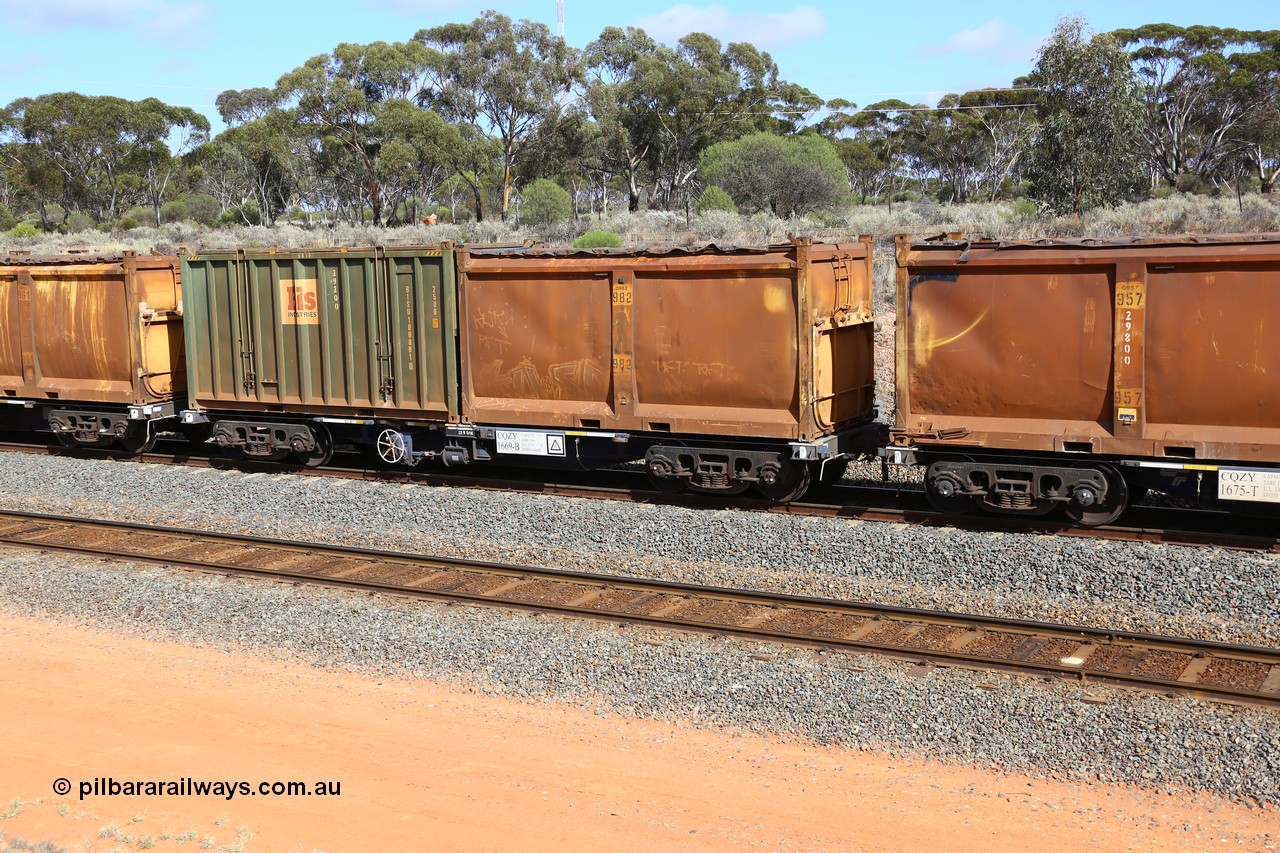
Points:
(245, 214)
(191, 206)
(786, 175)
(24, 229)
(545, 202)
(1024, 208)
(197, 207)
(173, 211)
(7, 219)
(714, 198)
(598, 239)
(127, 223)
(77, 222)
(144, 215)
(718, 225)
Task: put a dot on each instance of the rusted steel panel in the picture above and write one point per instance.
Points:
(771, 342)
(332, 332)
(1154, 347)
(91, 329)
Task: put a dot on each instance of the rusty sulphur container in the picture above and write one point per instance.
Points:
(92, 344)
(771, 343)
(1152, 353)
(339, 332)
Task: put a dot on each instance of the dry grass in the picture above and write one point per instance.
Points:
(1173, 215)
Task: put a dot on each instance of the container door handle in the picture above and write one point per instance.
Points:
(388, 386)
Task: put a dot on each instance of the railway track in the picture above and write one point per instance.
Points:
(888, 503)
(1221, 671)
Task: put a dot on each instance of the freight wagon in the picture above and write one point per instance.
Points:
(1079, 373)
(722, 369)
(91, 347)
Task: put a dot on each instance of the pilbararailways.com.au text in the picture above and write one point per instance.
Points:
(187, 787)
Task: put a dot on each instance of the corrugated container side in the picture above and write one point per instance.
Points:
(358, 331)
(771, 343)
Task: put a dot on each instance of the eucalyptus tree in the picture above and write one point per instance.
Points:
(871, 142)
(508, 81)
(865, 172)
(28, 177)
(1202, 89)
(95, 152)
(159, 160)
(1258, 136)
(352, 103)
(222, 171)
(1005, 119)
(415, 158)
(258, 152)
(577, 155)
(623, 110)
(944, 145)
(701, 94)
(1085, 150)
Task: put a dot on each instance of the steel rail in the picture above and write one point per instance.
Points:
(1221, 671)
(1164, 525)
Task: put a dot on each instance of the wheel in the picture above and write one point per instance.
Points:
(66, 439)
(391, 447)
(791, 482)
(943, 492)
(654, 470)
(324, 449)
(138, 440)
(1098, 513)
(654, 466)
(666, 485)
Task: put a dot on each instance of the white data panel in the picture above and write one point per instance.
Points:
(522, 443)
(1249, 484)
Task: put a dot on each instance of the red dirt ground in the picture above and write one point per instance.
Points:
(430, 766)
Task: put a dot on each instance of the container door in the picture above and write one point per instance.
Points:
(78, 343)
(840, 316)
(17, 360)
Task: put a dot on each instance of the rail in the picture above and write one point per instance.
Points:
(1222, 671)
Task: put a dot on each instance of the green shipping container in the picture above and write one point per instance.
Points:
(330, 332)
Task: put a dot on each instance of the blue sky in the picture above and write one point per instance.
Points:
(186, 51)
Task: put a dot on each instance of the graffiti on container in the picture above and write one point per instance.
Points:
(491, 330)
(583, 379)
(700, 369)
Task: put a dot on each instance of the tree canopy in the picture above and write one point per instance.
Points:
(1085, 151)
(392, 132)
